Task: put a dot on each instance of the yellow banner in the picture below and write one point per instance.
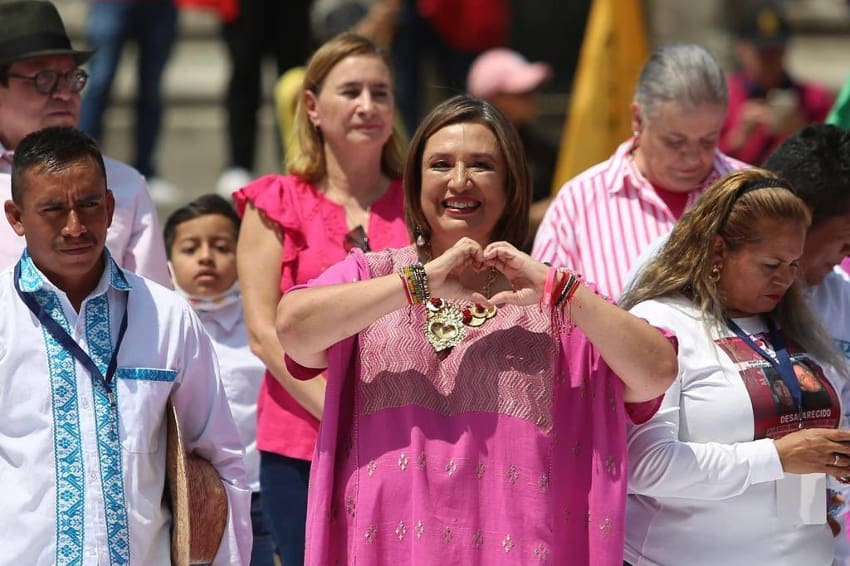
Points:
(598, 119)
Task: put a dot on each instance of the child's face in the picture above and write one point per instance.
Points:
(203, 255)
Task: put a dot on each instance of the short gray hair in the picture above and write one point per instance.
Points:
(683, 73)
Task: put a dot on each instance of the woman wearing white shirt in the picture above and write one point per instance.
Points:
(200, 240)
(717, 475)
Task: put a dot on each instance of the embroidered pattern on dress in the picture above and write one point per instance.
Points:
(401, 530)
(515, 351)
(611, 465)
(67, 442)
(371, 533)
(451, 467)
(512, 474)
(541, 552)
(478, 539)
(99, 340)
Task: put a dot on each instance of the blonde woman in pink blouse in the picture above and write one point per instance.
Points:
(475, 409)
(343, 190)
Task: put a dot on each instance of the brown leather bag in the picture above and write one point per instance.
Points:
(197, 499)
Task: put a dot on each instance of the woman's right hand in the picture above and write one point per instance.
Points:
(444, 270)
(815, 450)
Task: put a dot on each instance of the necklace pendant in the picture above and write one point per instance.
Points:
(444, 326)
(479, 315)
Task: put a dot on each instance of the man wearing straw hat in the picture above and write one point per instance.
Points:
(90, 355)
(40, 85)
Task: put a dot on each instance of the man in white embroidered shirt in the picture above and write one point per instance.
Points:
(89, 356)
(40, 86)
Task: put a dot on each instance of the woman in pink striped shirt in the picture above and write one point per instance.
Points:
(602, 220)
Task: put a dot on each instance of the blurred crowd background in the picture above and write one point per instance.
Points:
(192, 149)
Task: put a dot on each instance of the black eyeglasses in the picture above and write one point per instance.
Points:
(356, 238)
(46, 82)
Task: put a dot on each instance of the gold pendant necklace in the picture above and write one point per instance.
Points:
(446, 324)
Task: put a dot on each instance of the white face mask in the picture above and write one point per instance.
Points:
(206, 304)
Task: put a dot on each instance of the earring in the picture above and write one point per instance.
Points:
(420, 238)
(714, 275)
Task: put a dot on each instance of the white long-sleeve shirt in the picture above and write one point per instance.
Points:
(83, 479)
(703, 472)
(830, 300)
(134, 238)
(241, 374)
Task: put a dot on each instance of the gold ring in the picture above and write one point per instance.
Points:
(835, 462)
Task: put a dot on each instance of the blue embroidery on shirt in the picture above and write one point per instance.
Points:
(147, 374)
(70, 467)
(31, 279)
(116, 276)
(99, 339)
(70, 482)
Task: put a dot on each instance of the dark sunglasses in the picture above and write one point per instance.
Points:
(356, 239)
(46, 82)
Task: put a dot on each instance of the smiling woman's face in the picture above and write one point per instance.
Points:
(464, 176)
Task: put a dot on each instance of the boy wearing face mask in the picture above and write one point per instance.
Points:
(200, 241)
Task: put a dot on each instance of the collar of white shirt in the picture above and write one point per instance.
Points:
(32, 279)
(226, 318)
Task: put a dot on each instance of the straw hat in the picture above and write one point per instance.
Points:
(197, 498)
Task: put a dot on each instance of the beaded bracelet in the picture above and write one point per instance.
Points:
(416, 283)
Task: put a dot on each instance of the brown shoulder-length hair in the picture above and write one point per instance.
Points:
(735, 208)
(513, 226)
(308, 159)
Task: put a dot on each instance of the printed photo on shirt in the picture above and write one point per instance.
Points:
(775, 413)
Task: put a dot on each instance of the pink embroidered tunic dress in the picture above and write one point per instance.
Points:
(312, 229)
(507, 449)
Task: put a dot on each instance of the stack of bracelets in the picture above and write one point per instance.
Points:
(415, 283)
(560, 287)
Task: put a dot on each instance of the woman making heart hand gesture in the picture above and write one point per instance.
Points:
(476, 398)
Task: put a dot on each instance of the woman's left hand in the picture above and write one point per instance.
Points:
(526, 275)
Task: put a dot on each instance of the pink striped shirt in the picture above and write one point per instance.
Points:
(602, 219)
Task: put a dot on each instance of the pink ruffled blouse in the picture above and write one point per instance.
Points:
(312, 229)
(507, 449)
